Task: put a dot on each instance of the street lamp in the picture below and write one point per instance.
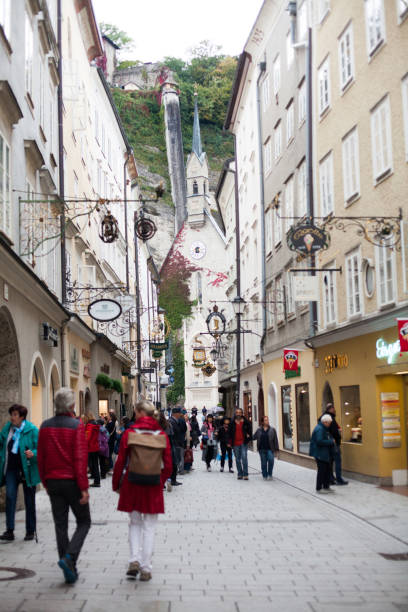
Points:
(238, 304)
(213, 354)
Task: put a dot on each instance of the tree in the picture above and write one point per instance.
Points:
(119, 37)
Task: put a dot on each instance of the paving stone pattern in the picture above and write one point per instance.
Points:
(227, 546)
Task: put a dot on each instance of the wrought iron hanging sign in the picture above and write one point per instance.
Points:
(216, 322)
(307, 239)
(109, 229)
(145, 229)
(208, 369)
(104, 310)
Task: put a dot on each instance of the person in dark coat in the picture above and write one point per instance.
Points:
(92, 436)
(195, 428)
(322, 449)
(179, 432)
(223, 439)
(143, 503)
(335, 432)
(240, 434)
(268, 447)
(111, 428)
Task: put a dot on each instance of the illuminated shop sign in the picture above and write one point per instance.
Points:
(386, 350)
(335, 362)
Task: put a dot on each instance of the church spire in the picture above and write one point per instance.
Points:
(197, 148)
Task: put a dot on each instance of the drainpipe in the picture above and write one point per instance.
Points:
(63, 360)
(128, 154)
(138, 338)
(61, 159)
(238, 269)
(262, 68)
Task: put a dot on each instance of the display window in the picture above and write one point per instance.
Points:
(352, 423)
(287, 416)
(303, 418)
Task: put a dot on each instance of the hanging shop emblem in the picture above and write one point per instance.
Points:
(159, 346)
(109, 229)
(104, 310)
(307, 239)
(216, 322)
(208, 369)
(290, 359)
(145, 229)
(199, 357)
(403, 334)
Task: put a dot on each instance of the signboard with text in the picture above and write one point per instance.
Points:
(305, 288)
(391, 420)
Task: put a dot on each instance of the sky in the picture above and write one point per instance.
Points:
(163, 28)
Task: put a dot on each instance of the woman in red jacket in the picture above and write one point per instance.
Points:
(92, 436)
(143, 502)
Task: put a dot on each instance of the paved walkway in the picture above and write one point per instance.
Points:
(228, 546)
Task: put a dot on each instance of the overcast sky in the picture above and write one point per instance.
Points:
(162, 28)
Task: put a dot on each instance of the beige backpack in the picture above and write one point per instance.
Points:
(146, 449)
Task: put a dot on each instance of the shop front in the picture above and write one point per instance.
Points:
(366, 377)
(110, 390)
(78, 360)
(290, 401)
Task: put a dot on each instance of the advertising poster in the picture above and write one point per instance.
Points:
(391, 420)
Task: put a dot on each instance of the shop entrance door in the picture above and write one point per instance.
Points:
(261, 406)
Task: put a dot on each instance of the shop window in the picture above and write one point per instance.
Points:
(303, 418)
(287, 416)
(352, 424)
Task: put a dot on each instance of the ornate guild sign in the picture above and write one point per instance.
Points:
(307, 239)
(216, 322)
(104, 310)
(145, 229)
(208, 369)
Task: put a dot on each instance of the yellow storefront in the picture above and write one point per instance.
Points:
(290, 401)
(367, 379)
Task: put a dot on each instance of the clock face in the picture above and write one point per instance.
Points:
(198, 250)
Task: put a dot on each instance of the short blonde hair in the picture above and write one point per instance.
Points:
(146, 407)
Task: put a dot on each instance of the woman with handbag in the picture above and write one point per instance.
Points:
(209, 441)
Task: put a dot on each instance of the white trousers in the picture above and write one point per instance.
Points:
(141, 538)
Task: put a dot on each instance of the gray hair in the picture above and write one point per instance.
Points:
(64, 400)
(326, 418)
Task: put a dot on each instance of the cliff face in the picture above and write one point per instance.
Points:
(163, 217)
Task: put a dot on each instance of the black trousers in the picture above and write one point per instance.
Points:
(65, 494)
(224, 450)
(210, 454)
(103, 465)
(323, 474)
(93, 462)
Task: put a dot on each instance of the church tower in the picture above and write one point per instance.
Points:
(198, 198)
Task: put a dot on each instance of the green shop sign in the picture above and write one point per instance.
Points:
(292, 373)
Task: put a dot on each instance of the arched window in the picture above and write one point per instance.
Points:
(199, 289)
(195, 188)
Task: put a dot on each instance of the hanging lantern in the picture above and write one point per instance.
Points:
(109, 229)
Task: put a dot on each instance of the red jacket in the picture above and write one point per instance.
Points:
(62, 452)
(92, 436)
(143, 498)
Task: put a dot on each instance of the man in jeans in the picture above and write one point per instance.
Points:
(240, 434)
(62, 458)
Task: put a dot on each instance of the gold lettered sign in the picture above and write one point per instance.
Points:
(336, 361)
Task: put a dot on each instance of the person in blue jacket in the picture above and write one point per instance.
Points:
(322, 449)
(18, 464)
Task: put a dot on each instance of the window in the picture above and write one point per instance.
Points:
(346, 57)
(290, 302)
(402, 8)
(268, 156)
(29, 49)
(276, 75)
(279, 297)
(289, 208)
(329, 296)
(278, 141)
(266, 92)
(5, 13)
(277, 228)
(351, 166)
(303, 418)
(405, 111)
(103, 138)
(199, 289)
(5, 187)
(301, 190)
(268, 231)
(96, 125)
(302, 23)
(375, 25)
(386, 284)
(351, 421)
(302, 102)
(324, 7)
(41, 71)
(353, 281)
(290, 119)
(381, 139)
(326, 185)
(195, 187)
(270, 307)
(324, 86)
(287, 417)
(290, 52)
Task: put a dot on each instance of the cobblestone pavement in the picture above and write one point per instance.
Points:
(227, 545)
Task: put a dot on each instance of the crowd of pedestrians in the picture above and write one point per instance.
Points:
(147, 453)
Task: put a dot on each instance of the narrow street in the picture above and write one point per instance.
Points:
(228, 546)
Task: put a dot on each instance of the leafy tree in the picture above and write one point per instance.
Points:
(119, 37)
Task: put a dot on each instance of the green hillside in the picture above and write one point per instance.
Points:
(142, 117)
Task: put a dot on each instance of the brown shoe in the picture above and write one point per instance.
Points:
(145, 576)
(245, 477)
(133, 569)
